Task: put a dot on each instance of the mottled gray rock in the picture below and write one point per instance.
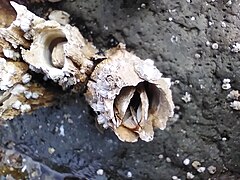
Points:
(207, 129)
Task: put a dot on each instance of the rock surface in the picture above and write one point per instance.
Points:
(181, 37)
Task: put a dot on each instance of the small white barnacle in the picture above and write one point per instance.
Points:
(130, 95)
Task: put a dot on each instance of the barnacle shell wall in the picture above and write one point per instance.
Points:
(130, 95)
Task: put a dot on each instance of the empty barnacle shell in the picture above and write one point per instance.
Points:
(60, 52)
(129, 95)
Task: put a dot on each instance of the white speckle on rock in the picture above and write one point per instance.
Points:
(51, 150)
(212, 169)
(208, 43)
(105, 27)
(170, 19)
(160, 156)
(234, 94)
(229, 3)
(224, 139)
(190, 175)
(186, 161)
(24, 168)
(100, 172)
(187, 97)
(17, 105)
(210, 23)
(197, 56)
(202, 86)
(201, 169)
(193, 18)
(61, 129)
(143, 5)
(174, 178)
(223, 24)
(129, 174)
(168, 159)
(235, 47)
(215, 46)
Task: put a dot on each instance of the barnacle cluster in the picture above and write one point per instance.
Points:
(128, 94)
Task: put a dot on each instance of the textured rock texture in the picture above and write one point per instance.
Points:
(180, 36)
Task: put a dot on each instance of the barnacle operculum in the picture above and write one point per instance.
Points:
(129, 95)
(59, 52)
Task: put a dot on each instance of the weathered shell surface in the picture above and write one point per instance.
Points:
(17, 93)
(11, 73)
(130, 95)
(13, 88)
(70, 67)
(15, 102)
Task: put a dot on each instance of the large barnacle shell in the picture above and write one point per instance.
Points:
(129, 95)
(60, 52)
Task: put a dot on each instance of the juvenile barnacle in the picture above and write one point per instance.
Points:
(129, 95)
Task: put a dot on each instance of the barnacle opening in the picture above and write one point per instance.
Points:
(133, 104)
(54, 52)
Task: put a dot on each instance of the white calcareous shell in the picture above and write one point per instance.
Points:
(130, 95)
